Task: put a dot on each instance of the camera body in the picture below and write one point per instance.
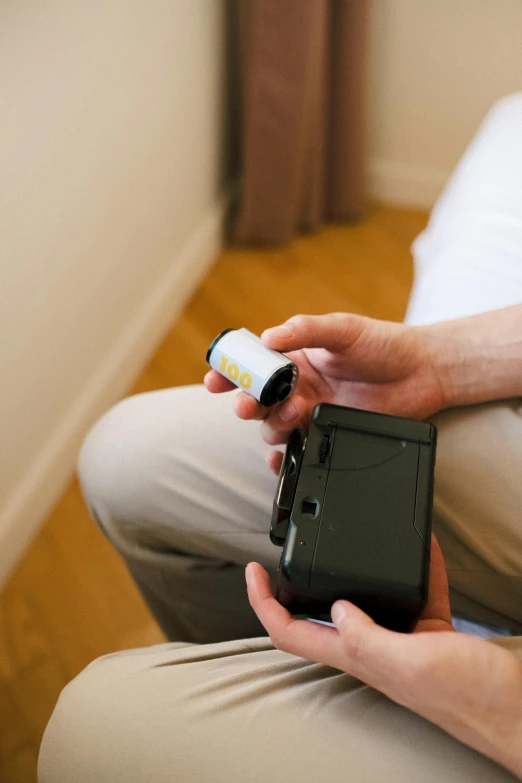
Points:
(353, 514)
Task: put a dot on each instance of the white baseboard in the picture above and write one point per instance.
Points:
(405, 185)
(47, 476)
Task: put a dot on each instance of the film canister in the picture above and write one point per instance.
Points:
(242, 357)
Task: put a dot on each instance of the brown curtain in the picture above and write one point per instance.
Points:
(302, 83)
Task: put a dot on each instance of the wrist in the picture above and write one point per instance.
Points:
(442, 352)
(477, 359)
(503, 737)
(490, 720)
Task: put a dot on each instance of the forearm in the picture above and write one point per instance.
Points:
(499, 736)
(478, 359)
(476, 696)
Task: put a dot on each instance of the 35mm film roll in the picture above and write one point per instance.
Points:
(241, 356)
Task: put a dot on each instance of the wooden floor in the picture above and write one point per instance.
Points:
(71, 599)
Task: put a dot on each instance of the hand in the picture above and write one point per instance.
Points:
(346, 360)
(470, 688)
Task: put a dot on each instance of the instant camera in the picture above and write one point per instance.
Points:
(352, 513)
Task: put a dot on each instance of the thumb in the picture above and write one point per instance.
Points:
(372, 653)
(335, 332)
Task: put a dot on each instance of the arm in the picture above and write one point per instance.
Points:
(479, 358)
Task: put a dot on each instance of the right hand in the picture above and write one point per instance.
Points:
(347, 360)
(469, 687)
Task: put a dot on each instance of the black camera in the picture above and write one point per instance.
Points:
(353, 515)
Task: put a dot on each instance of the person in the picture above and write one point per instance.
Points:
(180, 486)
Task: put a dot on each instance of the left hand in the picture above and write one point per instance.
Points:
(470, 688)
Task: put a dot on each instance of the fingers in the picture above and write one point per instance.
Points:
(335, 332)
(356, 646)
(284, 418)
(216, 383)
(438, 606)
(278, 421)
(299, 637)
(275, 460)
(393, 663)
(371, 653)
(246, 407)
(269, 611)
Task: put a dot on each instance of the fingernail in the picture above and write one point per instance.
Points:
(283, 331)
(248, 574)
(288, 412)
(338, 612)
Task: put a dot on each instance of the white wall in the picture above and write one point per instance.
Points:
(111, 188)
(111, 202)
(436, 66)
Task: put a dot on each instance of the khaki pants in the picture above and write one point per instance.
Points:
(181, 488)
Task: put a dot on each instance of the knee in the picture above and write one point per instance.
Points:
(111, 719)
(83, 734)
(121, 463)
(63, 744)
(113, 461)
